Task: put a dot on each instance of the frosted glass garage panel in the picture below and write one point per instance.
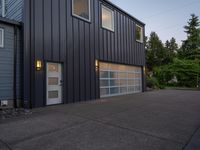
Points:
(116, 79)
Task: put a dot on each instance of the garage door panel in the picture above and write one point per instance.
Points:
(104, 82)
(131, 89)
(118, 79)
(123, 75)
(131, 82)
(123, 82)
(114, 90)
(131, 75)
(113, 74)
(104, 74)
(114, 82)
(123, 90)
(138, 75)
(104, 91)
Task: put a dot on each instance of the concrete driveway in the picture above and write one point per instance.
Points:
(160, 120)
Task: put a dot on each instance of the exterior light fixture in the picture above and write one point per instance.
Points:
(38, 65)
(97, 65)
(144, 69)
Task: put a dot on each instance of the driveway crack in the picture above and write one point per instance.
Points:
(191, 137)
(47, 133)
(5, 144)
(132, 130)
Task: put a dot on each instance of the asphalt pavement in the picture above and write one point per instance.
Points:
(158, 120)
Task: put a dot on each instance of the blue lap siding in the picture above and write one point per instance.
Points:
(14, 10)
(7, 64)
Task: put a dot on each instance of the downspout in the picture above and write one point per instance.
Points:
(15, 68)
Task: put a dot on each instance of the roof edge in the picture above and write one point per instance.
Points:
(120, 9)
(9, 21)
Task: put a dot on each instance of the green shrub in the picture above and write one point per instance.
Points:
(152, 83)
(185, 71)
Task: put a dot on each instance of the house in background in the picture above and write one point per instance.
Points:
(11, 53)
(73, 50)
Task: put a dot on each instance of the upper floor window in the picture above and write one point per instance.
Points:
(139, 33)
(107, 18)
(81, 9)
(1, 37)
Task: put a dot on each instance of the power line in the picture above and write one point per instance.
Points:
(169, 27)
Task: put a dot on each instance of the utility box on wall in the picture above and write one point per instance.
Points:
(4, 103)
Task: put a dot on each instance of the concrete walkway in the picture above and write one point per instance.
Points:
(160, 120)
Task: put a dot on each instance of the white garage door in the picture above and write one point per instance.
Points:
(118, 79)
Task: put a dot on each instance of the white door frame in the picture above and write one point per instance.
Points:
(54, 83)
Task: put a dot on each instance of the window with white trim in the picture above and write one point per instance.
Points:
(107, 18)
(139, 33)
(81, 9)
(1, 37)
(3, 5)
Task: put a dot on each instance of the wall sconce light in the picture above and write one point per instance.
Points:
(144, 70)
(97, 65)
(38, 65)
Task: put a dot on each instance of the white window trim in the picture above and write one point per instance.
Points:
(2, 45)
(142, 38)
(3, 8)
(113, 18)
(88, 20)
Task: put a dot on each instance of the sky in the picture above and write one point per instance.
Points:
(166, 17)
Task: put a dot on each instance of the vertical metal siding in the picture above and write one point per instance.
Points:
(55, 35)
(39, 51)
(27, 57)
(63, 45)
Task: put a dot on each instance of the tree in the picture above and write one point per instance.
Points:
(155, 51)
(167, 44)
(171, 49)
(173, 46)
(191, 46)
(173, 66)
(186, 72)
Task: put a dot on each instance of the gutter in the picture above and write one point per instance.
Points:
(9, 21)
(123, 11)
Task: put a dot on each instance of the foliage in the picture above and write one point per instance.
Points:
(184, 71)
(152, 82)
(155, 51)
(157, 54)
(191, 46)
(171, 48)
(169, 65)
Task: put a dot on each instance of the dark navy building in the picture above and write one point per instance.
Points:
(65, 51)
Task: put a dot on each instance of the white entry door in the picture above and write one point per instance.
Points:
(54, 83)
